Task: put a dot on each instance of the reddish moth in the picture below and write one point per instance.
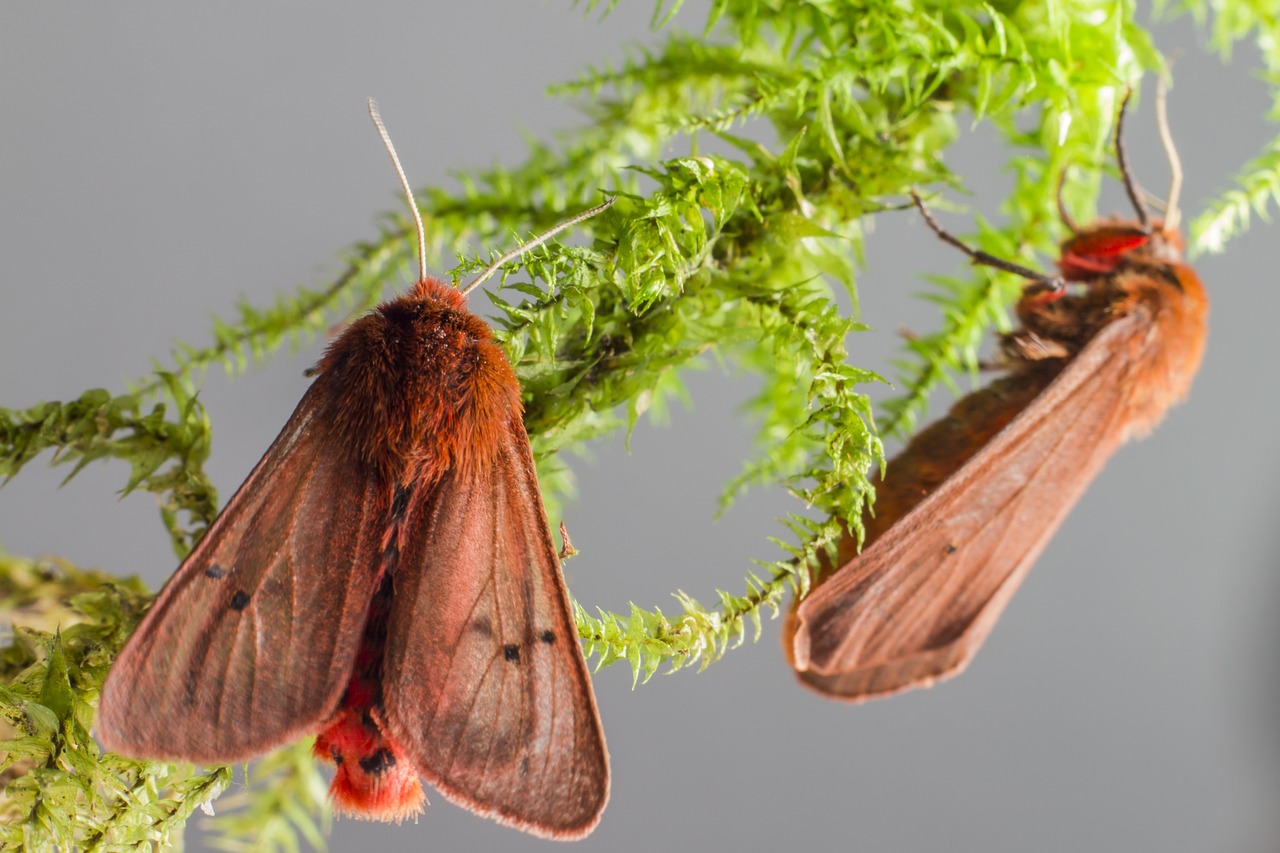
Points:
(972, 500)
(385, 578)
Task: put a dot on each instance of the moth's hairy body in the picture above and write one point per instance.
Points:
(972, 500)
(385, 576)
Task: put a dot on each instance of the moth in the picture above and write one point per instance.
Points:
(385, 577)
(1104, 349)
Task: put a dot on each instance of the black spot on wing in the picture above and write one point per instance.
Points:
(215, 571)
(548, 636)
(511, 652)
(240, 600)
(482, 626)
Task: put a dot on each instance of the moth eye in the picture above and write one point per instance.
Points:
(215, 571)
(548, 637)
(511, 652)
(240, 600)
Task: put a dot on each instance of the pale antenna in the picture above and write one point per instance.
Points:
(537, 241)
(1172, 214)
(404, 182)
(422, 232)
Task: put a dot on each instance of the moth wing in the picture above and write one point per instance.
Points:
(251, 642)
(917, 604)
(485, 687)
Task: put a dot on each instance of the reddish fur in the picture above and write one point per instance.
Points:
(420, 386)
(392, 794)
(1151, 276)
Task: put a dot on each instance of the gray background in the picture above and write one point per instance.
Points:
(159, 162)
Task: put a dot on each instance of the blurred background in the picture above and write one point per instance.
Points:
(160, 162)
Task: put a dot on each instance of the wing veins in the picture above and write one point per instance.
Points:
(484, 771)
(997, 518)
(175, 668)
(1087, 381)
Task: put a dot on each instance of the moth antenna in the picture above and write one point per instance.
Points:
(404, 182)
(1131, 188)
(1154, 201)
(1172, 214)
(1050, 284)
(537, 241)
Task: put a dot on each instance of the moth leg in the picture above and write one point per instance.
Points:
(1027, 346)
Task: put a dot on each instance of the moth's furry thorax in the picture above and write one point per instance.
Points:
(419, 386)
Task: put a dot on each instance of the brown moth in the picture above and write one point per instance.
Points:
(386, 578)
(970, 503)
